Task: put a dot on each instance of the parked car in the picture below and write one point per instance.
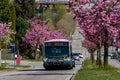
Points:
(76, 56)
(80, 55)
(113, 55)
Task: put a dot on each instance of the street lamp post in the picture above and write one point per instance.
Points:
(13, 46)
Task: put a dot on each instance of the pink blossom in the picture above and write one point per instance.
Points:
(4, 28)
(40, 32)
(101, 17)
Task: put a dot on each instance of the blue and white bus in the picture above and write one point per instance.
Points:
(57, 53)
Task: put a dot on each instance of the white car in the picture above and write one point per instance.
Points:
(81, 55)
(75, 56)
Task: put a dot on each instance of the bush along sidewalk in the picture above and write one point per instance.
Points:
(91, 71)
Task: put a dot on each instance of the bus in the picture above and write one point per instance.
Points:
(57, 53)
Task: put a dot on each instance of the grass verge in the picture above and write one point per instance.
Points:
(91, 71)
(8, 69)
(12, 67)
(22, 66)
(4, 68)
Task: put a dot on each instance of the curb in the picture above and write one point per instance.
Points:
(70, 77)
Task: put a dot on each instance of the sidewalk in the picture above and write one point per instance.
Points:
(114, 62)
(12, 63)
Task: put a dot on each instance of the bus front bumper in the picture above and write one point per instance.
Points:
(64, 63)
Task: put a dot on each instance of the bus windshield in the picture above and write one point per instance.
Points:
(55, 51)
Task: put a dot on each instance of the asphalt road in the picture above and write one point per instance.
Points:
(37, 71)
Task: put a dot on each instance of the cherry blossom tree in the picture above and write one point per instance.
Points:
(93, 39)
(117, 44)
(4, 29)
(90, 46)
(40, 32)
(100, 18)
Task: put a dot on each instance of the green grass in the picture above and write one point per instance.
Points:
(22, 66)
(92, 72)
(12, 67)
(4, 68)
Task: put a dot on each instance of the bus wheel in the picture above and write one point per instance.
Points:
(71, 66)
(47, 68)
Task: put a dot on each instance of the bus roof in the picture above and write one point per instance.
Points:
(58, 40)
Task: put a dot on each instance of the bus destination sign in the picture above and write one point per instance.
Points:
(56, 44)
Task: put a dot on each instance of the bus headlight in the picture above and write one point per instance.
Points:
(44, 59)
(67, 59)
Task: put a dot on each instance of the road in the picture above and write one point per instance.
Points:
(37, 72)
(76, 43)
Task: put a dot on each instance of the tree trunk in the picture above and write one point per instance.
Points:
(40, 53)
(105, 55)
(99, 57)
(92, 57)
(34, 54)
(97, 61)
(106, 49)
